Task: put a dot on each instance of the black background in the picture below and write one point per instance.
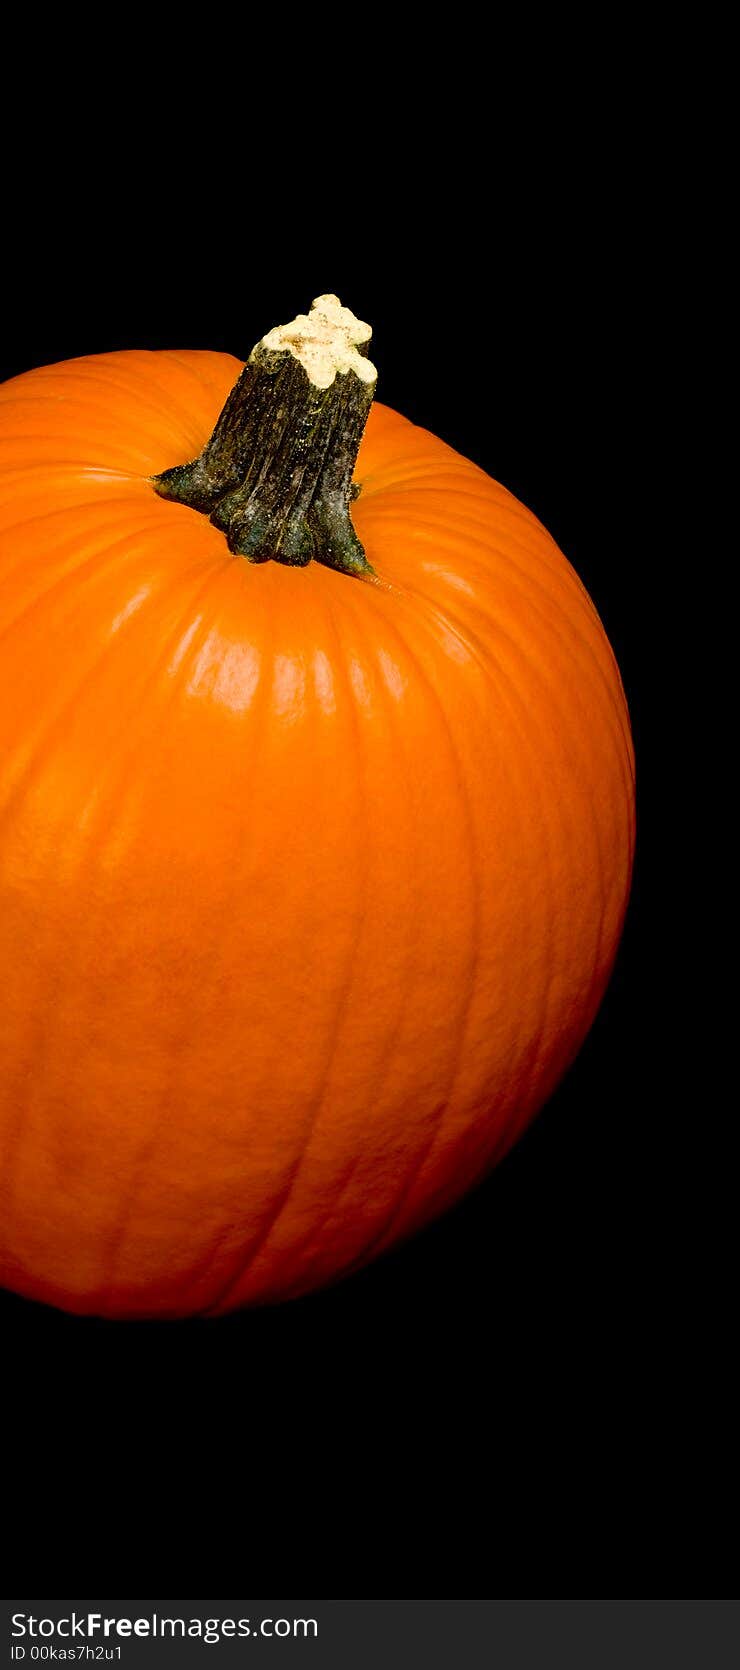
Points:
(509, 1404)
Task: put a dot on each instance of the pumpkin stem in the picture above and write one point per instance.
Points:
(276, 475)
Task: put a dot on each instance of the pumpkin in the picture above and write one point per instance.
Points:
(312, 870)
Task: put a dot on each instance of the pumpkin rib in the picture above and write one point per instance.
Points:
(24, 476)
(493, 619)
(388, 1231)
(79, 464)
(74, 400)
(539, 547)
(543, 1003)
(210, 385)
(58, 585)
(96, 369)
(462, 631)
(77, 563)
(470, 486)
(127, 730)
(341, 1003)
(32, 437)
(428, 482)
(77, 405)
(37, 757)
(385, 1055)
(495, 624)
(519, 557)
(257, 1244)
(59, 510)
(245, 1255)
(36, 1053)
(386, 1061)
(408, 651)
(419, 1159)
(437, 531)
(493, 616)
(342, 1007)
(148, 1148)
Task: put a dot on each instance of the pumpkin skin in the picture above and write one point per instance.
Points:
(309, 888)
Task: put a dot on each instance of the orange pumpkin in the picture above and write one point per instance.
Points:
(310, 882)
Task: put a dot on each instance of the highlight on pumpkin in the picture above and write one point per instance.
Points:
(309, 890)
